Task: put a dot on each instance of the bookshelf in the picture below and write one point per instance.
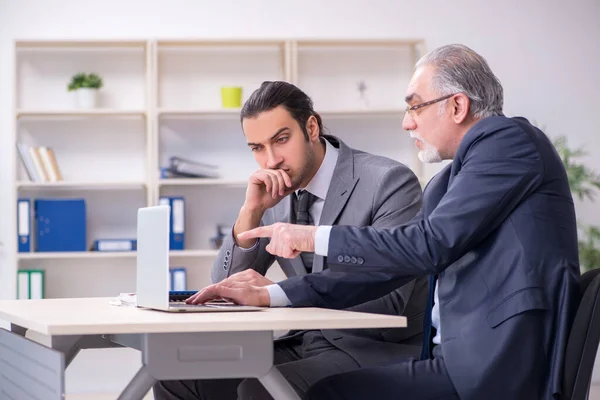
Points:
(161, 98)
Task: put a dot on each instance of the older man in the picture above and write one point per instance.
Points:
(496, 234)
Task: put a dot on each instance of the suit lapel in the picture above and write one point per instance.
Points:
(341, 186)
(435, 190)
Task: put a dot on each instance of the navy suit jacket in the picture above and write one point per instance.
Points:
(498, 229)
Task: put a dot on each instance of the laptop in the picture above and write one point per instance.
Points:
(152, 272)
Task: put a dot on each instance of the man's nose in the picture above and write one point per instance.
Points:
(408, 123)
(273, 160)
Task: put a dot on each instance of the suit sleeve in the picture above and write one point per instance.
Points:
(397, 199)
(498, 171)
(232, 259)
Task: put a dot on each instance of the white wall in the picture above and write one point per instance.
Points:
(545, 52)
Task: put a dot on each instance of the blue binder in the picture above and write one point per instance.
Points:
(60, 225)
(24, 225)
(177, 278)
(177, 221)
(114, 245)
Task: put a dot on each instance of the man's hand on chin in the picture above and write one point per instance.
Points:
(242, 293)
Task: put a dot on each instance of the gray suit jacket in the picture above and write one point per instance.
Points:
(365, 190)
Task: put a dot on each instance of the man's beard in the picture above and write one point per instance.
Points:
(429, 154)
(309, 159)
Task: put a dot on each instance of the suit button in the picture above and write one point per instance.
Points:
(340, 259)
(226, 258)
(353, 259)
(347, 259)
(360, 260)
(228, 252)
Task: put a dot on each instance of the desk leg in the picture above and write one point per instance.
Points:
(278, 386)
(70, 345)
(141, 384)
(17, 329)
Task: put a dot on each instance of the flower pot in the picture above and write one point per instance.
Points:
(86, 98)
(231, 97)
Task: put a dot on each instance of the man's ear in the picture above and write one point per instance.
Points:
(312, 127)
(460, 107)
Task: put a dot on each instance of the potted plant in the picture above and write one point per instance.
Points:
(85, 88)
(583, 182)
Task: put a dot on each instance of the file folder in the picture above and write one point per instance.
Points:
(114, 245)
(60, 225)
(24, 225)
(30, 284)
(22, 285)
(177, 281)
(177, 221)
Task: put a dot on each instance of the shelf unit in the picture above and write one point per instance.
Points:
(161, 98)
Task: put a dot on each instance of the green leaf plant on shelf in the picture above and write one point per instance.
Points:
(85, 88)
(584, 183)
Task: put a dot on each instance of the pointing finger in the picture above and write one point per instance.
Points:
(261, 231)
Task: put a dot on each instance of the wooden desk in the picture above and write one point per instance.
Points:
(173, 345)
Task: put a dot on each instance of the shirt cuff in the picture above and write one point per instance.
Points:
(245, 249)
(278, 296)
(322, 240)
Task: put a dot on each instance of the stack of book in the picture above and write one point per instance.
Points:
(40, 163)
(183, 168)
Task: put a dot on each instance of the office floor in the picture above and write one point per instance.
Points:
(113, 396)
(594, 395)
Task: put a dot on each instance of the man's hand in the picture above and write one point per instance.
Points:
(266, 188)
(287, 240)
(238, 292)
(251, 277)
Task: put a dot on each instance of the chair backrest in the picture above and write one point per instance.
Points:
(583, 339)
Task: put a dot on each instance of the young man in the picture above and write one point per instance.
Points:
(306, 177)
(497, 234)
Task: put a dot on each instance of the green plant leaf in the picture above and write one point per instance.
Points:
(93, 81)
(81, 80)
(584, 182)
(77, 81)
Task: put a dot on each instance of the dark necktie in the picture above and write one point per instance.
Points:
(427, 327)
(304, 201)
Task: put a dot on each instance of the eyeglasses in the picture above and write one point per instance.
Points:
(409, 110)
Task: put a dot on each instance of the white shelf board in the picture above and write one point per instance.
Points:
(75, 255)
(98, 112)
(235, 112)
(361, 113)
(199, 113)
(194, 253)
(82, 185)
(356, 43)
(108, 254)
(86, 44)
(202, 182)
